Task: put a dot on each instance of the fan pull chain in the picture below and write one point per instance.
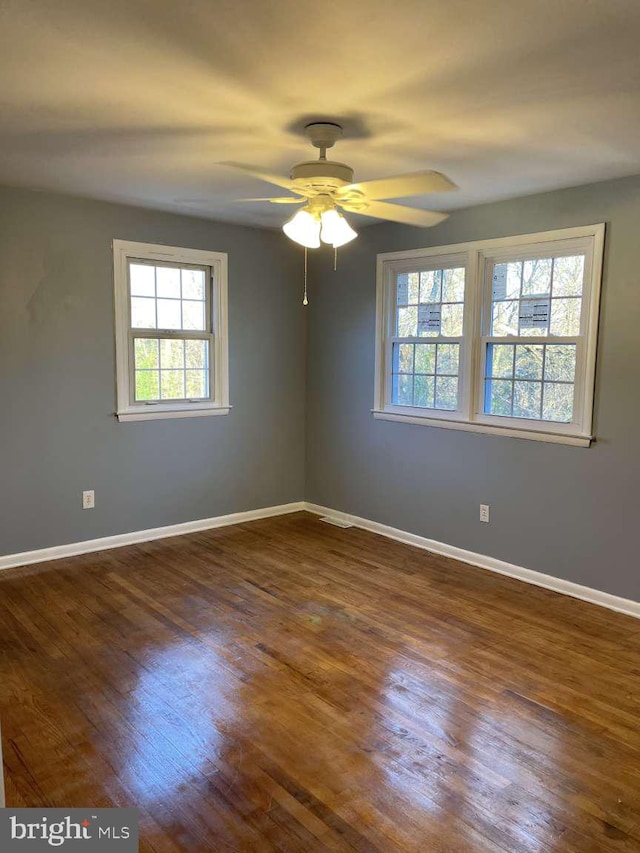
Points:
(305, 301)
(335, 259)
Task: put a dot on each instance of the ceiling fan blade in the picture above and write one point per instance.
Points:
(268, 177)
(397, 213)
(289, 199)
(416, 183)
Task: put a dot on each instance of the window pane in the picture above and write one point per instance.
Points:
(527, 399)
(171, 354)
(565, 316)
(500, 360)
(448, 359)
(446, 393)
(405, 358)
(402, 390)
(529, 360)
(549, 299)
(429, 319)
(536, 277)
(430, 286)
(172, 384)
(506, 281)
(142, 280)
(533, 315)
(425, 358)
(560, 363)
(498, 397)
(143, 313)
(402, 288)
(145, 354)
(505, 318)
(407, 288)
(146, 385)
(193, 315)
(414, 382)
(568, 275)
(558, 403)
(197, 384)
(452, 316)
(169, 314)
(407, 322)
(168, 297)
(193, 284)
(414, 287)
(453, 285)
(423, 391)
(196, 353)
(168, 282)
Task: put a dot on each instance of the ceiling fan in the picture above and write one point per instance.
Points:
(323, 186)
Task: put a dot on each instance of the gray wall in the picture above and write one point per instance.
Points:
(569, 512)
(566, 511)
(58, 434)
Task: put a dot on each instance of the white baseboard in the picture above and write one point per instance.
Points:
(59, 551)
(585, 593)
(576, 590)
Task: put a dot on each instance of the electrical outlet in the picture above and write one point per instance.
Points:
(88, 499)
(484, 513)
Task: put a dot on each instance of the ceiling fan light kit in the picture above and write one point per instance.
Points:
(335, 229)
(304, 229)
(319, 221)
(323, 186)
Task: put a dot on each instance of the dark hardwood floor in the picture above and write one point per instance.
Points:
(287, 685)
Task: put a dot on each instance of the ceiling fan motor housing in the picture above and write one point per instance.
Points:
(322, 174)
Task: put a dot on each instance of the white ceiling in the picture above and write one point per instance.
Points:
(138, 100)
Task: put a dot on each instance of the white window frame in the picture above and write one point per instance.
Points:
(127, 409)
(478, 258)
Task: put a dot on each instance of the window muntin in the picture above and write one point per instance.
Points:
(170, 331)
(530, 380)
(170, 369)
(168, 296)
(526, 356)
(427, 333)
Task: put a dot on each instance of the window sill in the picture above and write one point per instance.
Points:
(489, 429)
(152, 413)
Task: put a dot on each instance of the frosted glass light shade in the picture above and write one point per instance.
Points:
(335, 229)
(303, 228)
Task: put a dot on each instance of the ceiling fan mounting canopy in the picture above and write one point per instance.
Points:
(323, 134)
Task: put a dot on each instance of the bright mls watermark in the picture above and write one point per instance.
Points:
(35, 830)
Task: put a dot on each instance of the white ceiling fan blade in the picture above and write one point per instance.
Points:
(416, 183)
(289, 199)
(397, 213)
(268, 177)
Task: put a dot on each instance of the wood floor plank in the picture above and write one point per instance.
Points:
(283, 685)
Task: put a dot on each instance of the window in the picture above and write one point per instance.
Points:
(494, 336)
(427, 335)
(171, 331)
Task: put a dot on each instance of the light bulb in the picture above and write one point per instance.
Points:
(335, 229)
(304, 228)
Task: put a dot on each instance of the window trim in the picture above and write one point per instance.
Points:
(480, 254)
(126, 409)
